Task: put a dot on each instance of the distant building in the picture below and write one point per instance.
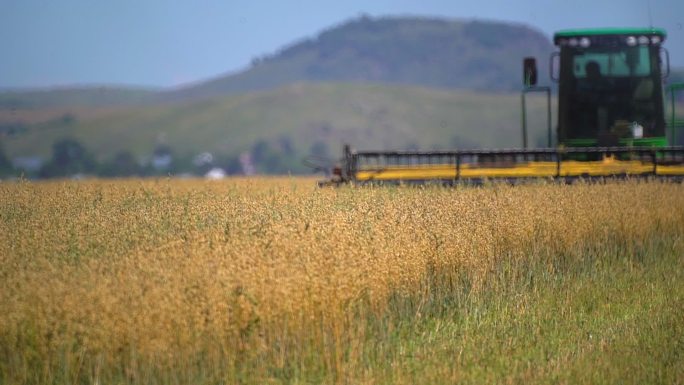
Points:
(215, 173)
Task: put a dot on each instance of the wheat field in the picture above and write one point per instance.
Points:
(273, 280)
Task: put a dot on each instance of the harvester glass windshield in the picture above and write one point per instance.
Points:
(610, 89)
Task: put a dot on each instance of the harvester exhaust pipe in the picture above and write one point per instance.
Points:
(530, 85)
(348, 173)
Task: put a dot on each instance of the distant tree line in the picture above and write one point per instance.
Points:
(70, 158)
(5, 164)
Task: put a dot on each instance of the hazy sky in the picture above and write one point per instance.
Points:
(167, 43)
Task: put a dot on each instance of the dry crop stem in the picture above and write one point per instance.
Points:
(135, 280)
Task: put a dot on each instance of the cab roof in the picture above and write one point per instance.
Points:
(569, 33)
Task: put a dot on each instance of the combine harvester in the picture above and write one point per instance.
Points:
(611, 122)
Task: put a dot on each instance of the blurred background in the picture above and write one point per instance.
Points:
(216, 88)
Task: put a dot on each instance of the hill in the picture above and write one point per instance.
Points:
(475, 55)
(297, 119)
(439, 53)
(86, 96)
(374, 83)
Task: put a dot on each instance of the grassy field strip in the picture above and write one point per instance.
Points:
(274, 281)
